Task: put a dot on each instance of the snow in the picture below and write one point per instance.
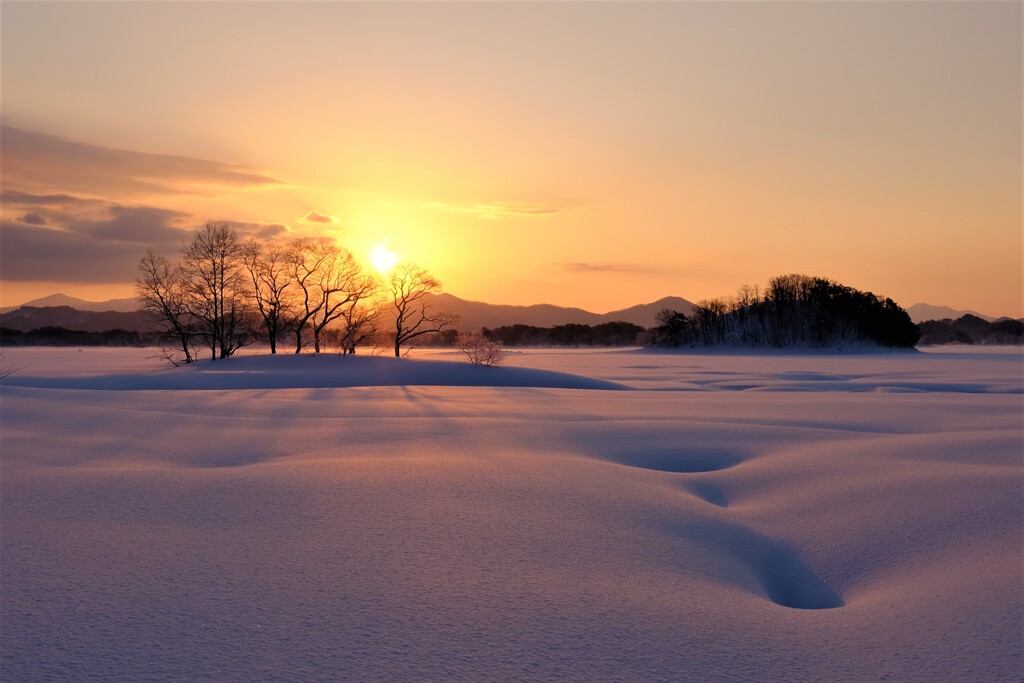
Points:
(574, 515)
(284, 371)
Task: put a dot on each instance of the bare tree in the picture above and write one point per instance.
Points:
(409, 286)
(308, 261)
(480, 350)
(360, 320)
(340, 280)
(710, 317)
(270, 275)
(161, 289)
(216, 282)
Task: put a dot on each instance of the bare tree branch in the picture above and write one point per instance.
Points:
(268, 268)
(409, 285)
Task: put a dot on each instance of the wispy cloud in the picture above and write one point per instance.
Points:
(14, 198)
(139, 225)
(51, 209)
(495, 210)
(317, 217)
(581, 267)
(261, 231)
(50, 163)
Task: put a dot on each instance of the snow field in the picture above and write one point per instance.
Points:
(842, 517)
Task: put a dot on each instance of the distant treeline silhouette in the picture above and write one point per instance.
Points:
(970, 329)
(793, 310)
(576, 335)
(60, 336)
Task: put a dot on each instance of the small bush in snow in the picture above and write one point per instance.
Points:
(480, 350)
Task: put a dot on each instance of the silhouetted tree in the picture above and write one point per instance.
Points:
(710, 319)
(795, 309)
(343, 287)
(360, 318)
(308, 262)
(672, 329)
(268, 268)
(408, 286)
(164, 297)
(970, 329)
(60, 336)
(215, 282)
(605, 334)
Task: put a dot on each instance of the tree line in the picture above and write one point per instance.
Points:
(793, 310)
(970, 329)
(60, 336)
(577, 335)
(223, 293)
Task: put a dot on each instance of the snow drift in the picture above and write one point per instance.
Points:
(284, 371)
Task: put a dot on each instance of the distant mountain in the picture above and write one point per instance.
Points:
(922, 312)
(644, 314)
(122, 305)
(27, 318)
(474, 315)
(477, 314)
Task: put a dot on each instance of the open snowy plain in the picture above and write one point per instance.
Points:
(587, 515)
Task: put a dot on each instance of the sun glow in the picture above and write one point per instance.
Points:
(382, 258)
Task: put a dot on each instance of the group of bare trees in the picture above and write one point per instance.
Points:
(225, 293)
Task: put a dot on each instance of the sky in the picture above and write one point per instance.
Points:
(586, 154)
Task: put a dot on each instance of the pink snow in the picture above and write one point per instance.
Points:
(572, 515)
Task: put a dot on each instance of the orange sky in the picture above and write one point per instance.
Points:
(595, 155)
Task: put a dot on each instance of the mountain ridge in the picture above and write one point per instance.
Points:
(922, 312)
(129, 305)
(473, 315)
(28, 318)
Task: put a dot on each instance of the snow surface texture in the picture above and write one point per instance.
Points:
(778, 517)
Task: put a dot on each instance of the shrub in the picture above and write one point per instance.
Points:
(480, 350)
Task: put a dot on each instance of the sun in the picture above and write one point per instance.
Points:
(382, 258)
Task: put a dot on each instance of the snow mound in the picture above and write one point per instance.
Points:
(291, 371)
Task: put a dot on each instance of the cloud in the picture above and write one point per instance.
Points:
(33, 253)
(14, 198)
(41, 209)
(48, 162)
(259, 230)
(63, 238)
(61, 223)
(578, 267)
(144, 226)
(495, 210)
(271, 231)
(96, 245)
(33, 218)
(317, 217)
